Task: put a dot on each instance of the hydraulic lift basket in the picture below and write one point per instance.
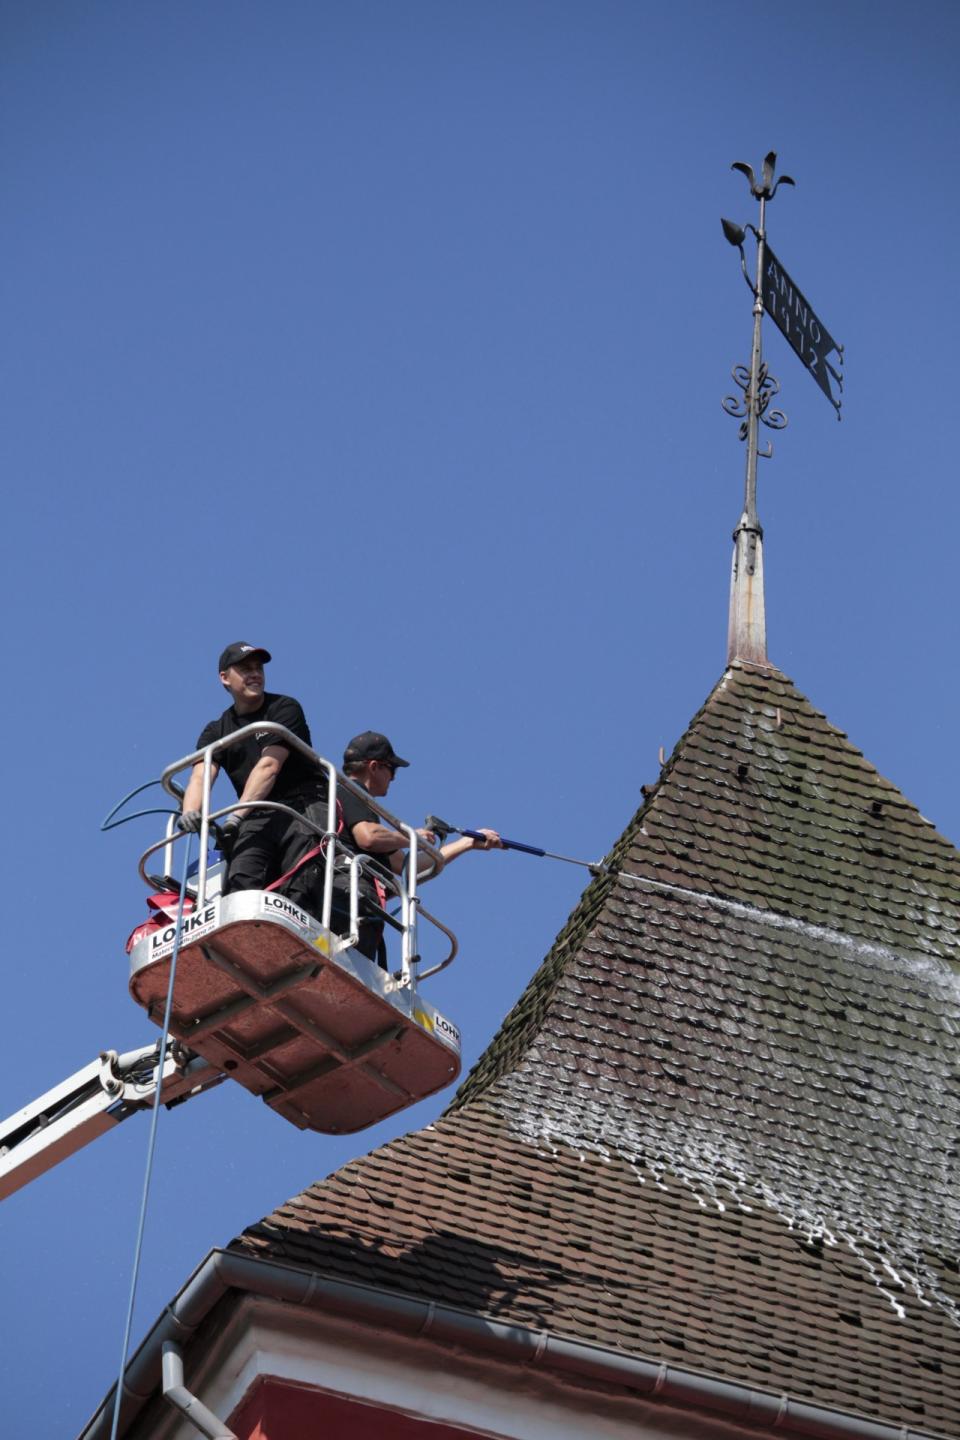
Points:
(323, 1035)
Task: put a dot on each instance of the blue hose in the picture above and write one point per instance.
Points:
(110, 824)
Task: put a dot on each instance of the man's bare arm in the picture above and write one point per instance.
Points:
(381, 840)
(263, 776)
(193, 794)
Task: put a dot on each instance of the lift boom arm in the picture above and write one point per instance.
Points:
(94, 1100)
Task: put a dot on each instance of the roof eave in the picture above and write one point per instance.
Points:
(225, 1270)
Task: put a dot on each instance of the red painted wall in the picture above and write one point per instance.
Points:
(275, 1410)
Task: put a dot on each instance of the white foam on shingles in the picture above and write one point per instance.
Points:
(924, 966)
(718, 1174)
(883, 1188)
(819, 1190)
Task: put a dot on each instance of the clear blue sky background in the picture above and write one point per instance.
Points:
(393, 336)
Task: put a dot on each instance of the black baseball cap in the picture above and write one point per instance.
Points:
(238, 651)
(371, 745)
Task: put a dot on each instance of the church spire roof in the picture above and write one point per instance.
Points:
(717, 1129)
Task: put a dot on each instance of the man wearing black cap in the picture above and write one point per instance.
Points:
(262, 845)
(371, 762)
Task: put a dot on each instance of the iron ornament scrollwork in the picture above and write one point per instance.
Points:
(739, 406)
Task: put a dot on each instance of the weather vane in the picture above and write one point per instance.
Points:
(775, 294)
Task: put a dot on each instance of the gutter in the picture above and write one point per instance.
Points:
(225, 1270)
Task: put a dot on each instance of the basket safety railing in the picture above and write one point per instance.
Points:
(423, 861)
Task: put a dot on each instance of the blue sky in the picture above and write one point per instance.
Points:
(392, 336)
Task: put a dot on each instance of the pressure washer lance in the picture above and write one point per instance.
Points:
(443, 830)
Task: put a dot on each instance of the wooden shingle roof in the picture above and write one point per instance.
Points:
(720, 1128)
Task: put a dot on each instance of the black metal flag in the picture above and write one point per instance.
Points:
(795, 318)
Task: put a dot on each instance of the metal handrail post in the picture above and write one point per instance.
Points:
(168, 847)
(348, 941)
(404, 897)
(409, 949)
(410, 976)
(330, 857)
(204, 826)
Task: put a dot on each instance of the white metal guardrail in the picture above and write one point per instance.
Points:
(423, 861)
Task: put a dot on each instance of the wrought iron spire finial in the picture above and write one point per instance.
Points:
(747, 632)
(775, 294)
(767, 190)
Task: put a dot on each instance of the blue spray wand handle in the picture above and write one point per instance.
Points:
(441, 828)
(507, 844)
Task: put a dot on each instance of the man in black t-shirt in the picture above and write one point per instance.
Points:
(370, 762)
(261, 845)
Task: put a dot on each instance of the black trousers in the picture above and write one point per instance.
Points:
(268, 844)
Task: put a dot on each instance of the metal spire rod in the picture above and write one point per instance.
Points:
(753, 398)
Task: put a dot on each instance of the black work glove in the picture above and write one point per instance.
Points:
(227, 836)
(189, 822)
